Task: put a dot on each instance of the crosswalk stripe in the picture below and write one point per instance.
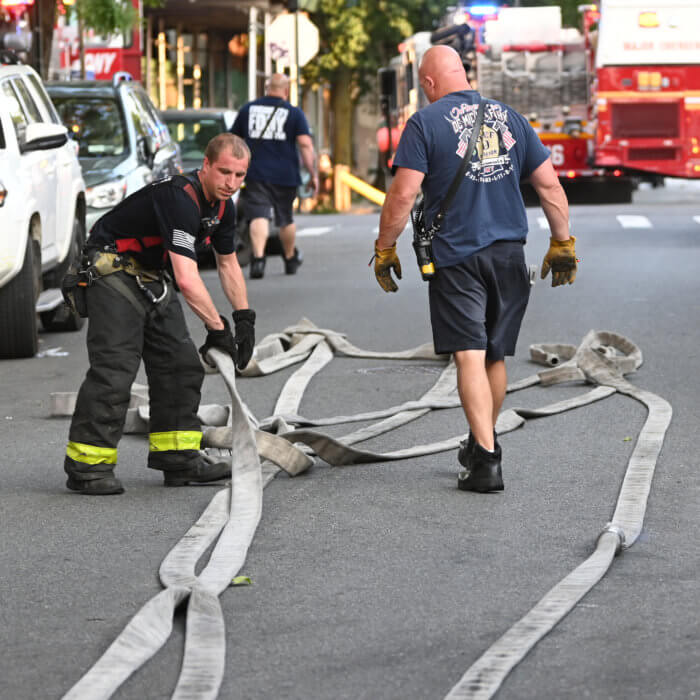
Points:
(633, 221)
(314, 230)
(696, 219)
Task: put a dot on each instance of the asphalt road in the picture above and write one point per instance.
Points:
(383, 581)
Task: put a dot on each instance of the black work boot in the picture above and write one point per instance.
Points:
(465, 451)
(257, 267)
(291, 265)
(91, 479)
(193, 470)
(483, 470)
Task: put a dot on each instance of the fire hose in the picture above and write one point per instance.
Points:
(288, 441)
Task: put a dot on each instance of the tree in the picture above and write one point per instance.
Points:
(104, 16)
(357, 38)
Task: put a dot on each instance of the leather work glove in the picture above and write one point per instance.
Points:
(384, 260)
(561, 258)
(245, 336)
(222, 340)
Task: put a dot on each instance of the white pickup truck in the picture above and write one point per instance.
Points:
(42, 211)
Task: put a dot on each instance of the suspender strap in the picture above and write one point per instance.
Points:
(459, 177)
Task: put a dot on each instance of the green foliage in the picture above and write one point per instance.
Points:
(359, 36)
(106, 16)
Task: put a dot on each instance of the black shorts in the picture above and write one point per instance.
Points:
(262, 200)
(480, 303)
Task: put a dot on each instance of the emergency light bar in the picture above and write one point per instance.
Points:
(482, 10)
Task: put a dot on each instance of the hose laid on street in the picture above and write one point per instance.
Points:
(233, 516)
(290, 441)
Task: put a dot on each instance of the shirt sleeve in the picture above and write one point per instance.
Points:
(238, 127)
(302, 124)
(223, 240)
(179, 220)
(412, 150)
(535, 151)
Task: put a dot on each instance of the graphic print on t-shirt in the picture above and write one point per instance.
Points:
(258, 116)
(490, 161)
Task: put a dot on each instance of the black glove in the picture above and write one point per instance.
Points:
(245, 336)
(222, 340)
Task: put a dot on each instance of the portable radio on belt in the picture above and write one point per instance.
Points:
(422, 236)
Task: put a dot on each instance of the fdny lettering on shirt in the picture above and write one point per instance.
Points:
(258, 116)
(490, 161)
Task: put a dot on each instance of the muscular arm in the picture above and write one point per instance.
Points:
(308, 156)
(232, 281)
(195, 292)
(552, 198)
(397, 205)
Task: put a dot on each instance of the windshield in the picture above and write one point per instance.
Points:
(95, 123)
(193, 136)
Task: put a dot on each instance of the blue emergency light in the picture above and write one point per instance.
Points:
(482, 10)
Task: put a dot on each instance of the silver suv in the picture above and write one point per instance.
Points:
(42, 211)
(123, 143)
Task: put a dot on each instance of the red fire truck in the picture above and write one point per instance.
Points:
(104, 55)
(521, 56)
(648, 87)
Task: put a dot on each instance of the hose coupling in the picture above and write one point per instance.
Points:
(618, 532)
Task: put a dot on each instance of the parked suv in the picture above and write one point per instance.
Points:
(122, 142)
(42, 210)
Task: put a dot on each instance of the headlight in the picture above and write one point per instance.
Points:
(106, 194)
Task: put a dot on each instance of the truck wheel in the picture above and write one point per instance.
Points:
(62, 318)
(18, 307)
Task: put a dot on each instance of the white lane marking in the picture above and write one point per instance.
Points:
(542, 221)
(633, 221)
(696, 219)
(314, 230)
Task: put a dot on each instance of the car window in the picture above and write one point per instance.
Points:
(194, 135)
(15, 110)
(137, 116)
(32, 110)
(48, 106)
(96, 123)
(153, 118)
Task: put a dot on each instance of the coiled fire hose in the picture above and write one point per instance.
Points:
(288, 440)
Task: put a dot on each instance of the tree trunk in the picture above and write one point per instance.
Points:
(342, 109)
(47, 20)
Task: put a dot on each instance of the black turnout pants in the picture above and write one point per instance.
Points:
(119, 335)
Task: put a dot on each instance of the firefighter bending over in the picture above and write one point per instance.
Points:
(134, 313)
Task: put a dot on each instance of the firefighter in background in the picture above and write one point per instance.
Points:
(134, 313)
(481, 287)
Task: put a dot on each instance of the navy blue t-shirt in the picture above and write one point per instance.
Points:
(274, 156)
(488, 207)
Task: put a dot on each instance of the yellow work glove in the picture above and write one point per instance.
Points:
(384, 260)
(561, 258)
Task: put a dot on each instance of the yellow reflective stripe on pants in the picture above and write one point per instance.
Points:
(174, 440)
(91, 454)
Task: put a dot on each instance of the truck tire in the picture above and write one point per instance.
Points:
(62, 318)
(18, 307)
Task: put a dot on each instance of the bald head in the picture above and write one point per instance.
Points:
(441, 72)
(277, 85)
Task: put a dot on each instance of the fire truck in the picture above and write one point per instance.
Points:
(521, 56)
(104, 55)
(647, 97)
